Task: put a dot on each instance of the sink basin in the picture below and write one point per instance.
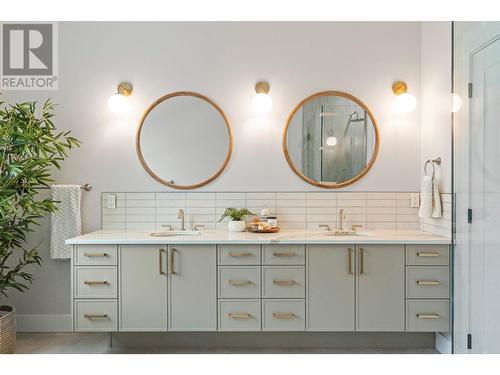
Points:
(172, 233)
(344, 233)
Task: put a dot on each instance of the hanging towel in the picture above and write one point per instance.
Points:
(430, 200)
(66, 222)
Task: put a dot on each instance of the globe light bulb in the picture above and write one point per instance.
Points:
(331, 141)
(262, 102)
(118, 103)
(405, 102)
(456, 102)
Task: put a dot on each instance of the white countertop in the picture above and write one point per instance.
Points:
(122, 237)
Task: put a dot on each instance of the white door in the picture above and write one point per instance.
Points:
(193, 288)
(485, 199)
(143, 288)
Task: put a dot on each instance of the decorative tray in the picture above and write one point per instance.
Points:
(270, 230)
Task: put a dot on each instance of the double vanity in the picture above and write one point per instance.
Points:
(378, 281)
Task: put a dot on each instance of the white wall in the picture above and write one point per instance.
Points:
(435, 99)
(223, 61)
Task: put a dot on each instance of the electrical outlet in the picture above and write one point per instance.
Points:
(110, 201)
(414, 200)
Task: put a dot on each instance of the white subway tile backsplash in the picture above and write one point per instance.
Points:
(295, 210)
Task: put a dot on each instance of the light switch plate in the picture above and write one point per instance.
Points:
(414, 200)
(110, 201)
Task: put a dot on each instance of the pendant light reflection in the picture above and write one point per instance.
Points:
(331, 141)
(262, 102)
(404, 102)
(118, 103)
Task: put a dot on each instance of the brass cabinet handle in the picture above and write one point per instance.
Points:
(240, 255)
(239, 282)
(428, 316)
(361, 261)
(284, 282)
(283, 315)
(95, 316)
(89, 282)
(95, 255)
(428, 282)
(239, 315)
(161, 252)
(172, 259)
(350, 252)
(428, 254)
(285, 254)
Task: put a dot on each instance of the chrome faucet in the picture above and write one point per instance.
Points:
(341, 220)
(180, 216)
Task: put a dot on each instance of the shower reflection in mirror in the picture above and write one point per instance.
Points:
(331, 139)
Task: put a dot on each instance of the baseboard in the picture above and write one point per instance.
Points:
(44, 323)
(443, 344)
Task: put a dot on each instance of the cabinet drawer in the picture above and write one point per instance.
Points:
(283, 254)
(94, 255)
(283, 282)
(239, 315)
(427, 315)
(423, 255)
(427, 282)
(283, 315)
(95, 282)
(233, 255)
(94, 316)
(239, 282)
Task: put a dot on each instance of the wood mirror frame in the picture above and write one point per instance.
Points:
(332, 185)
(141, 156)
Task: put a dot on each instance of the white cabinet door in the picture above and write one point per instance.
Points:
(193, 288)
(380, 294)
(143, 288)
(330, 288)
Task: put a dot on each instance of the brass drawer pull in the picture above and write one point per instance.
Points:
(239, 282)
(96, 316)
(428, 254)
(239, 315)
(95, 255)
(172, 260)
(88, 282)
(283, 315)
(284, 282)
(285, 254)
(428, 282)
(240, 255)
(361, 261)
(428, 316)
(162, 251)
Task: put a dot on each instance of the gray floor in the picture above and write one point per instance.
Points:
(98, 343)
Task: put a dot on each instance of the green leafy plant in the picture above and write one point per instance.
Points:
(30, 147)
(236, 214)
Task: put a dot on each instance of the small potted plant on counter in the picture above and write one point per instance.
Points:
(30, 146)
(237, 219)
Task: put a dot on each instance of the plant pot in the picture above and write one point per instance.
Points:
(236, 226)
(7, 329)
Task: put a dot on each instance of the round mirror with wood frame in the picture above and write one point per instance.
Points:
(184, 140)
(331, 139)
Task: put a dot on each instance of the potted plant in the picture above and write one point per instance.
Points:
(29, 147)
(237, 219)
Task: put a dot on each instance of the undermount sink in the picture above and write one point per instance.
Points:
(171, 233)
(341, 233)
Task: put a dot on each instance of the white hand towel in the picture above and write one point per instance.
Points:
(66, 222)
(430, 200)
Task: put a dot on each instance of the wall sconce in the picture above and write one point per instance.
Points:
(118, 102)
(262, 101)
(456, 102)
(405, 102)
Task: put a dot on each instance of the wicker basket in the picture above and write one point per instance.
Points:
(7, 329)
